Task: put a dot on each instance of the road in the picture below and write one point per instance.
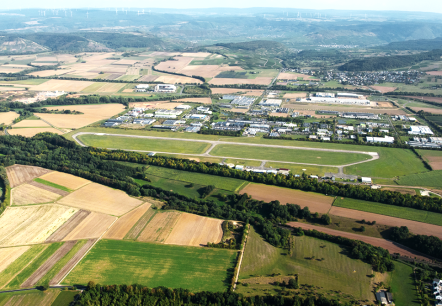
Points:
(373, 155)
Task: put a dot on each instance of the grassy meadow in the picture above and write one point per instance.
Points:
(431, 179)
(126, 262)
(32, 298)
(390, 210)
(402, 285)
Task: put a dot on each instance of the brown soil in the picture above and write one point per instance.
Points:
(431, 99)
(295, 95)
(384, 104)
(68, 226)
(384, 89)
(434, 72)
(19, 174)
(72, 262)
(414, 226)
(125, 223)
(435, 162)
(391, 246)
(93, 226)
(49, 188)
(316, 202)
(159, 228)
(48, 264)
(140, 225)
(427, 110)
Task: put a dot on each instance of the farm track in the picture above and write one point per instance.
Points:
(214, 143)
(48, 264)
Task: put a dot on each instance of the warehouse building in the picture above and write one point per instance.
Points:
(385, 139)
(360, 116)
(271, 102)
(165, 88)
(420, 130)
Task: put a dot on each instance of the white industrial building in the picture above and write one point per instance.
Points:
(325, 95)
(198, 116)
(168, 112)
(183, 106)
(166, 116)
(366, 180)
(165, 88)
(420, 130)
(385, 139)
(142, 86)
(349, 95)
(271, 102)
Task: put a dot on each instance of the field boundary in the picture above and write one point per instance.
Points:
(241, 256)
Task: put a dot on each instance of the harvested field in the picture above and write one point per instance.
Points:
(28, 194)
(427, 110)
(135, 231)
(431, 99)
(4, 69)
(316, 202)
(196, 100)
(393, 247)
(174, 79)
(401, 190)
(47, 73)
(226, 91)
(124, 224)
(105, 87)
(72, 262)
(68, 226)
(383, 89)
(29, 132)
(9, 255)
(8, 117)
(49, 263)
(239, 110)
(434, 72)
(257, 81)
(62, 85)
(32, 224)
(434, 158)
(49, 188)
(295, 76)
(148, 78)
(93, 226)
(175, 65)
(414, 226)
(160, 227)
(197, 54)
(125, 62)
(96, 197)
(30, 123)
(295, 95)
(207, 71)
(92, 113)
(113, 76)
(155, 104)
(194, 230)
(19, 174)
(384, 104)
(65, 179)
(280, 114)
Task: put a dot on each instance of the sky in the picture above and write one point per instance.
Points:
(400, 5)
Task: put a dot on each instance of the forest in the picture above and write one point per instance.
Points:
(254, 45)
(426, 244)
(419, 44)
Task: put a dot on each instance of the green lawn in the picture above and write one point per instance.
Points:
(41, 181)
(336, 272)
(126, 143)
(230, 184)
(390, 210)
(402, 285)
(298, 169)
(290, 155)
(126, 262)
(431, 179)
(34, 265)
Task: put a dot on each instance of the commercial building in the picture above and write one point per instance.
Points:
(349, 95)
(385, 139)
(168, 112)
(271, 102)
(325, 95)
(142, 86)
(366, 180)
(183, 106)
(144, 121)
(420, 130)
(165, 88)
(198, 116)
(353, 115)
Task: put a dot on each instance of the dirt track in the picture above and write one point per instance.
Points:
(68, 226)
(48, 264)
(414, 226)
(391, 246)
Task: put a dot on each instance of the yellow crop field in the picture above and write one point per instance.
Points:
(8, 117)
(32, 224)
(65, 179)
(31, 123)
(99, 198)
(30, 132)
(174, 79)
(159, 228)
(93, 226)
(120, 228)
(9, 255)
(62, 85)
(28, 194)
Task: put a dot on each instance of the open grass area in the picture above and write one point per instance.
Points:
(127, 143)
(41, 181)
(225, 183)
(65, 298)
(431, 179)
(290, 155)
(34, 265)
(330, 269)
(127, 262)
(299, 169)
(390, 210)
(402, 285)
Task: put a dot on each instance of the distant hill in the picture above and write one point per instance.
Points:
(389, 62)
(420, 44)
(253, 45)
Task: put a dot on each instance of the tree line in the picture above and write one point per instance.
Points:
(5, 188)
(429, 245)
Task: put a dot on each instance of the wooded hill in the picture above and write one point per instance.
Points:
(420, 44)
(254, 45)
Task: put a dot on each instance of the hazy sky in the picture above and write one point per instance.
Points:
(400, 5)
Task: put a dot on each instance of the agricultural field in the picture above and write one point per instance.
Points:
(31, 132)
(100, 198)
(124, 224)
(65, 179)
(29, 194)
(289, 155)
(233, 81)
(32, 224)
(403, 286)
(434, 158)
(160, 227)
(144, 144)
(128, 262)
(8, 117)
(432, 179)
(245, 92)
(390, 210)
(9, 255)
(316, 202)
(139, 226)
(93, 226)
(31, 298)
(19, 174)
(30, 123)
(317, 262)
(68, 226)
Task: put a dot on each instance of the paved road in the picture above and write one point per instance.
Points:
(373, 155)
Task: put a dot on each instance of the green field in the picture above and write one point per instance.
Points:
(431, 179)
(26, 82)
(41, 181)
(298, 169)
(34, 265)
(126, 143)
(65, 298)
(390, 210)
(402, 286)
(230, 184)
(128, 77)
(30, 298)
(335, 272)
(126, 262)
(290, 155)
(429, 153)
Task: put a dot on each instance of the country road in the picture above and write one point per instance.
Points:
(214, 143)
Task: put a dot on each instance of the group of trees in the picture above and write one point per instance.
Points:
(5, 189)
(429, 245)
(124, 295)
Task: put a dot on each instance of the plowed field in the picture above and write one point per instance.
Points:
(19, 174)
(9, 255)
(316, 202)
(93, 226)
(29, 194)
(125, 223)
(100, 198)
(159, 228)
(139, 226)
(194, 230)
(65, 179)
(68, 226)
